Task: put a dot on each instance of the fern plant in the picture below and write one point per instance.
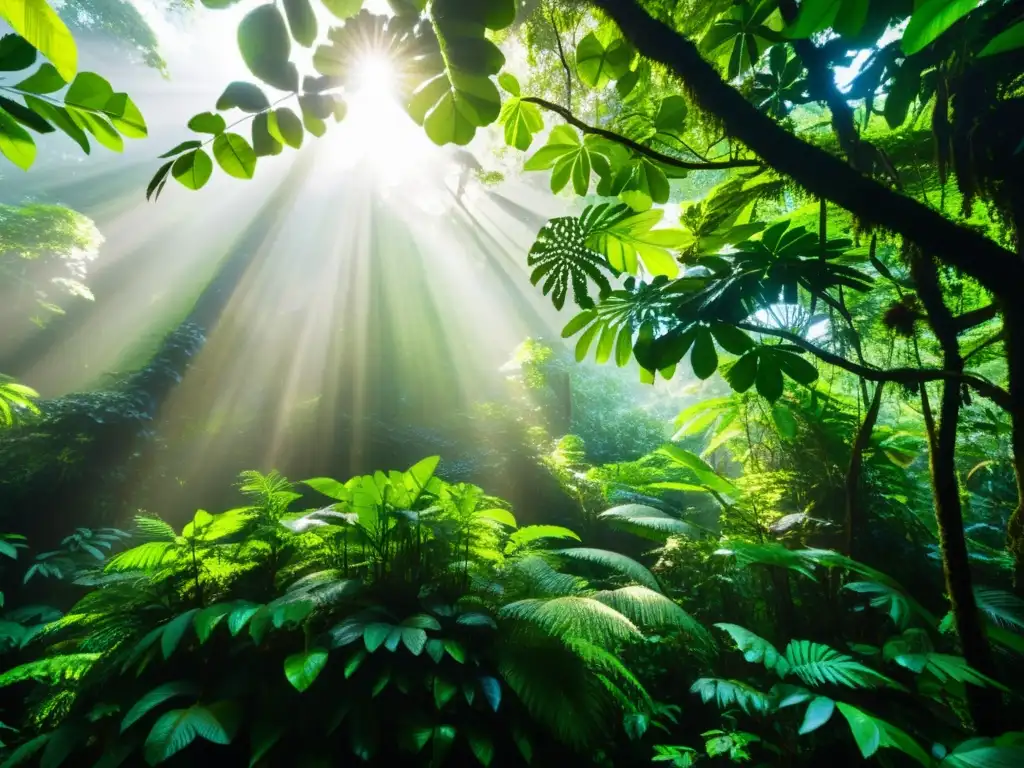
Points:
(263, 634)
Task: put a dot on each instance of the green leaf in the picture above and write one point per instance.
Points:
(302, 669)
(597, 64)
(265, 47)
(819, 712)
(40, 25)
(481, 746)
(15, 142)
(98, 126)
(375, 634)
(530, 533)
(234, 155)
(126, 117)
(193, 169)
(25, 116)
(191, 144)
(769, 378)
(615, 561)
(301, 21)
(521, 120)
(732, 339)
(756, 649)
(245, 96)
(16, 53)
(1008, 40)
(60, 118)
(864, 728)
(207, 122)
(343, 9)
(89, 90)
(174, 631)
(814, 16)
(208, 618)
(931, 18)
(502, 516)
(508, 82)
(784, 421)
(46, 79)
(444, 691)
(177, 729)
(796, 367)
(704, 359)
(285, 126)
(155, 698)
(742, 373)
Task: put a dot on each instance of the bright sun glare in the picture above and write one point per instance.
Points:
(376, 128)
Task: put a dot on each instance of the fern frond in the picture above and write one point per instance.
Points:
(749, 553)
(652, 610)
(602, 660)
(152, 527)
(818, 664)
(614, 561)
(574, 617)
(732, 693)
(52, 669)
(145, 557)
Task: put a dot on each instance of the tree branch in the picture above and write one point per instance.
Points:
(561, 55)
(637, 147)
(899, 375)
(821, 173)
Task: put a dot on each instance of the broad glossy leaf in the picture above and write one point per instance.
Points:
(27, 117)
(301, 21)
(302, 669)
(234, 155)
(864, 728)
(768, 378)
(190, 144)
(704, 359)
(193, 169)
(931, 18)
(285, 126)
(1008, 40)
(174, 632)
(40, 25)
(814, 16)
(97, 125)
(155, 698)
(207, 122)
(89, 90)
(245, 96)
(597, 64)
(819, 712)
(343, 9)
(177, 729)
(15, 142)
(46, 79)
(126, 116)
(16, 53)
(265, 47)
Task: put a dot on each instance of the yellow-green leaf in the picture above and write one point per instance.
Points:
(38, 23)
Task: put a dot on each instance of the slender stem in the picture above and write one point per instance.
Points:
(561, 55)
(636, 146)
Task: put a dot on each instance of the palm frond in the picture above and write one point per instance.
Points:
(732, 693)
(574, 616)
(648, 522)
(1001, 608)
(608, 664)
(614, 561)
(533, 576)
(652, 610)
(771, 553)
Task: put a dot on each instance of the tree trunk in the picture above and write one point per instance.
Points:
(856, 518)
(985, 704)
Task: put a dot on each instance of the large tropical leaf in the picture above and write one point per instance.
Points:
(575, 616)
(732, 693)
(614, 561)
(648, 522)
(756, 649)
(652, 610)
